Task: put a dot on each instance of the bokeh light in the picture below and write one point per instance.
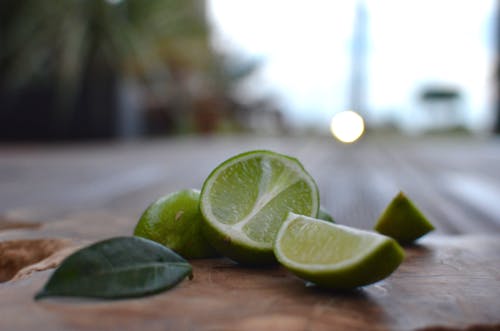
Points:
(347, 126)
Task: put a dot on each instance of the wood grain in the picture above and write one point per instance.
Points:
(453, 181)
(446, 282)
(81, 194)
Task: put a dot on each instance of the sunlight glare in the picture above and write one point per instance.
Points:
(347, 126)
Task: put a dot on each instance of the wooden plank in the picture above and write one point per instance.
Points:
(86, 193)
(356, 181)
(444, 281)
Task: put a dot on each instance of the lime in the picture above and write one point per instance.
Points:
(324, 215)
(335, 256)
(403, 221)
(245, 200)
(175, 221)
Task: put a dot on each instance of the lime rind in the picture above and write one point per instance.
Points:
(324, 215)
(403, 221)
(250, 239)
(376, 256)
(175, 221)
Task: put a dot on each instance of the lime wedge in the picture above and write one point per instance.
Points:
(175, 221)
(245, 200)
(403, 221)
(335, 256)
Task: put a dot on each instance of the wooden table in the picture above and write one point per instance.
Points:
(56, 198)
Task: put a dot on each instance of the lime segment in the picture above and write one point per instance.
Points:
(335, 256)
(245, 200)
(403, 221)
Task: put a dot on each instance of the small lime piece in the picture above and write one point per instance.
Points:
(403, 221)
(335, 256)
(325, 215)
(245, 200)
(175, 221)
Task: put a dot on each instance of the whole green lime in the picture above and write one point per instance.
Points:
(175, 221)
(324, 215)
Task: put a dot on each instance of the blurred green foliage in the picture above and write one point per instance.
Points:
(58, 38)
(73, 53)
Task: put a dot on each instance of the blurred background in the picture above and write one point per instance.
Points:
(106, 105)
(125, 69)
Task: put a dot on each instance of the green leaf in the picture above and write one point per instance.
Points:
(117, 268)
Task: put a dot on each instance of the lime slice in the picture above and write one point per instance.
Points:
(246, 199)
(335, 256)
(325, 215)
(403, 221)
(175, 221)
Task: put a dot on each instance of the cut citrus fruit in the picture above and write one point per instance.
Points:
(335, 256)
(245, 200)
(403, 221)
(175, 221)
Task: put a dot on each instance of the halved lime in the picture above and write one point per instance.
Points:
(245, 200)
(335, 256)
(403, 221)
(175, 221)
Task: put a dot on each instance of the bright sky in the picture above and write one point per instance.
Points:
(305, 47)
